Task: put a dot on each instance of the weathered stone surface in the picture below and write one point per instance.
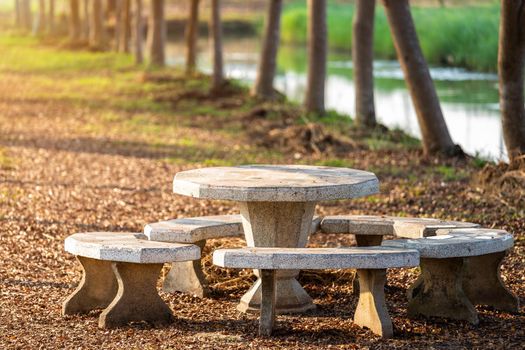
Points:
(191, 230)
(371, 311)
(267, 315)
(439, 293)
(278, 224)
(316, 258)
(128, 247)
(96, 290)
(389, 225)
(483, 285)
(283, 183)
(137, 298)
(457, 243)
(364, 241)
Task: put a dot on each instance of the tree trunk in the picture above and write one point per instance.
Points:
(51, 18)
(263, 87)
(75, 28)
(124, 26)
(434, 131)
(317, 46)
(25, 15)
(511, 56)
(156, 33)
(191, 37)
(41, 25)
(216, 34)
(85, 19)
(139, 33)
(97, 33)
(18, 17)
(117, 28)
(363, 59)
(111, 7)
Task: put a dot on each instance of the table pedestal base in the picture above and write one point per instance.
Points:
(278, 224)
(291, 297)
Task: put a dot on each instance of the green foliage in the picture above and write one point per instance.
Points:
(451, 173)
(464, 36)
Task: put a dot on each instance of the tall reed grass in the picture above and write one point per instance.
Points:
(465, 36)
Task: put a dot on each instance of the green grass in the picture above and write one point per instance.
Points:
(464, 36)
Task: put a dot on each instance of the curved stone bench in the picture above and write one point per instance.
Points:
(371, 264)
(459, 269)
(120, 272)
(370, 229)
(188, 276)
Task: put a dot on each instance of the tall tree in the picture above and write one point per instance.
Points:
(263, 86)
(363, 59)
(124, 26)
(117, 28)
(85, 19)
(42, 18)
(97, 34)
(139, 33)
(26, 17)
(18, 19)
(192, 29)
(511, 56)
(216, 34)
(317, 46)
(51, 17)
(75, 28)
(156, 33)
(434, 131)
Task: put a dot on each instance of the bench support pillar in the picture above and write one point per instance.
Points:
(483, 285)
(278, 224)
(96, 290)
(267, 317)
(438, 291)
(137, 298)
(364, 241)
(187, 277)
(371, 311)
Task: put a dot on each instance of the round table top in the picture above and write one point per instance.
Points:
(275, 183)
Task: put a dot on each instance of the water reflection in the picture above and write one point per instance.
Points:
(469, 99)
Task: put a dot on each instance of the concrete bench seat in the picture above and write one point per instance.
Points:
(460, 268)
(371, 264)
(188, 276)
(120, 272)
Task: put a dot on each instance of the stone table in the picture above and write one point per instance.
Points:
(277, 204)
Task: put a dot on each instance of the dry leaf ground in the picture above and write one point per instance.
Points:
(87, 143)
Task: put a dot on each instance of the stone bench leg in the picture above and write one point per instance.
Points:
(96, 290)
(438, 291)
(267, 316)
(137, 298)
(371, 311)
(187, 277)
(364, 241)
(483, 285)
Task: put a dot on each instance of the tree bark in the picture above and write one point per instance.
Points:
(511, 56)
(124, 26)
(75, 28)
(191, 37)
(25, 15)
(317, 46)
(263, 87)
(216, 34)
(139, 33)
(434, 131)
(41, 27)
(111, 7)
(156, 33)
(117, 28)
(97, 33)
(85, 20)
(51, 17)
(18, 20)
(363, 59)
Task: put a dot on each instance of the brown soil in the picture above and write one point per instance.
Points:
(65, 178)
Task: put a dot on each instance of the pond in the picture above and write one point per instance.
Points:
(469, 99)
